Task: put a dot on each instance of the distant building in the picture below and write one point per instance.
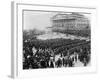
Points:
(71, 21)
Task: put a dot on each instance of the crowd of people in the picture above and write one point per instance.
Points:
(63, 55)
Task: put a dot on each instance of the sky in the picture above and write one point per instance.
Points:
(39, 20)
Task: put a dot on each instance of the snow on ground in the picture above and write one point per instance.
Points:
(53, 35)
(78, 64)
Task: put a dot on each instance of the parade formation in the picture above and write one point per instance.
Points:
(68, 44)
(55, 53)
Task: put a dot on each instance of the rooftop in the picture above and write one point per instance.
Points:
(67, 16)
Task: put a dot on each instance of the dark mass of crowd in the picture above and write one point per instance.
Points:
(55, 53)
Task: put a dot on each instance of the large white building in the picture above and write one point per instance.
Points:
(72, 21)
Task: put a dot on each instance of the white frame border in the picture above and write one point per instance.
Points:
(16, 70)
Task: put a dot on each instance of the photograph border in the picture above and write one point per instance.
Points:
(15, 31)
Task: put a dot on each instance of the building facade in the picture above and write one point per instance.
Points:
(72, 21)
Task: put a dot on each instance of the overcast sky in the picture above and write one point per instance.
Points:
(39, 20)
